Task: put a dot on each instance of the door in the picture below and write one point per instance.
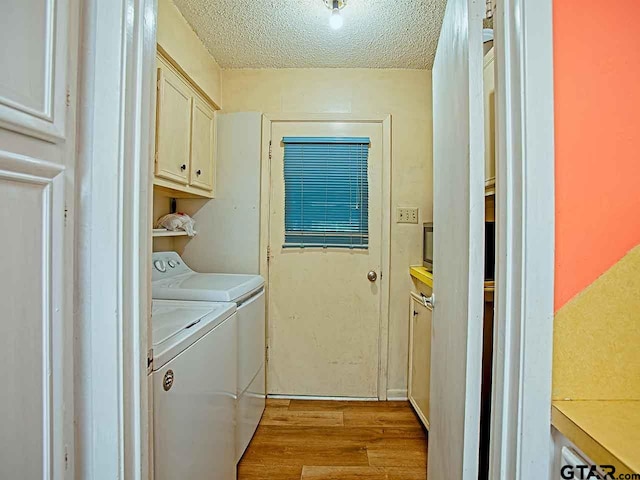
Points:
(420, 356)
(202, 145)
(173, 116)
(324, 311)
(458, 217)
(37, 147)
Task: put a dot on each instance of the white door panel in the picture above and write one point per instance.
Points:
(458, 217)
(31, 326)
(324, 314)
(33, 35)
(36, 158)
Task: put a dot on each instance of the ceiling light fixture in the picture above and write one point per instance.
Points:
(335, 20)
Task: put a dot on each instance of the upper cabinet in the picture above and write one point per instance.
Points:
(185, 136)
(202, 126)
(490, 121)
(173, 128)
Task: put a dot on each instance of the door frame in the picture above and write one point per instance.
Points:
(265, 198)
(525, 193)
(116, 105)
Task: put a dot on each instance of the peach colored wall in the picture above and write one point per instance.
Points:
(597, 122)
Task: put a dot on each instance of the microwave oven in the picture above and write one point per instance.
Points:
(427, 246)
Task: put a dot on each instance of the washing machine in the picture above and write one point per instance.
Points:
(173, 279)
(194, 380)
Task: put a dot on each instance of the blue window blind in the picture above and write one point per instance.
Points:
(326, 192)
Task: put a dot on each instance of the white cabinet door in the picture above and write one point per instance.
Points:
(36, 165)
(458, 218)
(173, 134)
(420, 357)
(202, 144)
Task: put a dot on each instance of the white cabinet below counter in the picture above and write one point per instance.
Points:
(420, 356)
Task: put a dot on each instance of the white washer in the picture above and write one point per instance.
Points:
(194, 389)
(173, 279)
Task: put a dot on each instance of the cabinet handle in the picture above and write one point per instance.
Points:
(183, 167)
(198, 172)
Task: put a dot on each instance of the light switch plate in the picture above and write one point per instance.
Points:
(407, 215)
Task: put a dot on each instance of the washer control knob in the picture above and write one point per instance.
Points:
(160, 266)
(171, 263)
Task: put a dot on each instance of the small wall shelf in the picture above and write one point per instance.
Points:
(163, 232)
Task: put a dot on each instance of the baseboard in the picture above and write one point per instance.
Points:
(315, 397)
(399, 394)
(396, 394)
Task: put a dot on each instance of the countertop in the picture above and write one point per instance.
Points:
(607, 431)
(422, 275)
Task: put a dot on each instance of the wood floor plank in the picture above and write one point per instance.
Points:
(390, 456)
(343, 473)
(313, 440)
(282, 416)
(294, 435)
(337, 455)
(269, 471)
(363, 473)
(406, 473)
(336, 405)
(360, 418)
(278, 402)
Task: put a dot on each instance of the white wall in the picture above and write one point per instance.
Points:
(228, 239)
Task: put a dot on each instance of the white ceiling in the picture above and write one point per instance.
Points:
(296, 33)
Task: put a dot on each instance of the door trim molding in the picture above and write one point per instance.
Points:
(521, 412)
(385, 121)
(116, 94)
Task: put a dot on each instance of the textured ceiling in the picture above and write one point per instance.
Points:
(296, 33)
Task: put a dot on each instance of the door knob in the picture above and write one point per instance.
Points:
(372, 276)
(198, 172)
(183, 167)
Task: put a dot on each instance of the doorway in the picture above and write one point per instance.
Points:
(327, 294)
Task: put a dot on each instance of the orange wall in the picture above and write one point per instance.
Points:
(597, 123)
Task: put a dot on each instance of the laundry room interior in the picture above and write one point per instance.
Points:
(320, 239)
(300, 189)
(326, 212)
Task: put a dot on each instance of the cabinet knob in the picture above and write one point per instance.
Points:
(183, 167)
(198, 172)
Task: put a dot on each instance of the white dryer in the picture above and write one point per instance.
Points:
(194, 390)
(173, 279)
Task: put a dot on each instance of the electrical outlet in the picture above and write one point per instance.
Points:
(407, 215)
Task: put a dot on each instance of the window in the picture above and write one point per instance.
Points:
(326, 192)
